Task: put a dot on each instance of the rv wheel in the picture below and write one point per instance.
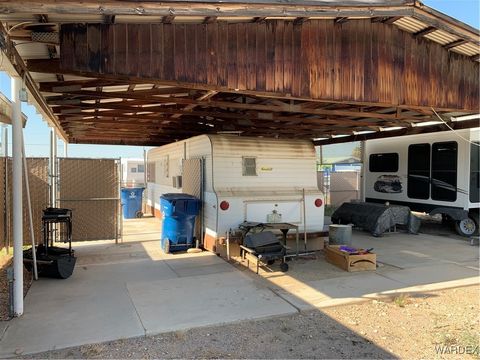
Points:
(465, 227)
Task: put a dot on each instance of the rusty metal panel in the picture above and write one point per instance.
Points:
(90, 187)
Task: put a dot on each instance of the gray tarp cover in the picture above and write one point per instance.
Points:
(375, 218)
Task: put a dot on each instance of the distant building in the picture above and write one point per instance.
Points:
(351, 163)
(133, 172)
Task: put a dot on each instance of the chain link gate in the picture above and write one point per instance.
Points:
(91, 188)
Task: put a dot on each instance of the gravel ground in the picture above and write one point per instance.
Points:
(405, 326)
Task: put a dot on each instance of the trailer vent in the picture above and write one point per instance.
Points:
(249, 166)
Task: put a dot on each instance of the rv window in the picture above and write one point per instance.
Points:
(387, 162)
(133, 170)
(249, 166)
(474, 172)
(444, 171)
(140, 168)
(418, 184)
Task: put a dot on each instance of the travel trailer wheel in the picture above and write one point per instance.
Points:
(466, 227)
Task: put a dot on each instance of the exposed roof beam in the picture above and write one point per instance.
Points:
(425, 31)
(225, 8)
(454, 44)
(16, 60)
(168, 19)
(159, 115)
(109, 19)
(206, 96)
(259, 19)
(235, 105)
(391, 20)
(210, 19)
(475, 57)
(300, 20)
(341, 20)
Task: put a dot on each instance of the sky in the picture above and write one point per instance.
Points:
(37, 133)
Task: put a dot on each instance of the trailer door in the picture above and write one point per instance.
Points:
(444, 171)
(418, 184)
(474, 172)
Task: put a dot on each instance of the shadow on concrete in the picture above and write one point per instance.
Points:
(133, 289)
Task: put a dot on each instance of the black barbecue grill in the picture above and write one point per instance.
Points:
(263, 249)
(54, 261)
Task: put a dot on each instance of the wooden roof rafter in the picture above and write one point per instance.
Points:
(134, 104)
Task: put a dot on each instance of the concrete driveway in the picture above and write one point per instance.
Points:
(133, 289)
(406, 263)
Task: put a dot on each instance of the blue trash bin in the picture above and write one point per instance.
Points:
(179, 212)
(132, 202)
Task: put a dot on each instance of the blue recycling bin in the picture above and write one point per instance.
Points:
(132, 202)
(179, 212)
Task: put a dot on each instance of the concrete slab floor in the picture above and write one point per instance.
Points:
(406, 262)
(132, 288)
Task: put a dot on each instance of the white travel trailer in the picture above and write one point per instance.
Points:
(244, 179)
(436, 173)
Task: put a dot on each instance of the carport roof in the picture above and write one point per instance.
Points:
(96, 104)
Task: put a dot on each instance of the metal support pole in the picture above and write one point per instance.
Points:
(4, 141)
(65, 149)
(30, 214)
(17, 187)
(53, 168)
(362, 171)
(6, 218)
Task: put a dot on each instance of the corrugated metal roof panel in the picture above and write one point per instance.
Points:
(143, 86)
(31, 50)
(115, 88)
(410, 24)
(466, 49)
(441, 37)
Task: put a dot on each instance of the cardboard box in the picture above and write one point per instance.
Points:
(349, 262)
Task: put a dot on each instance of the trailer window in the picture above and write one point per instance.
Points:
(387, 162)
(474, 172)
(418, 183)
(444, 171)
(249, 166)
